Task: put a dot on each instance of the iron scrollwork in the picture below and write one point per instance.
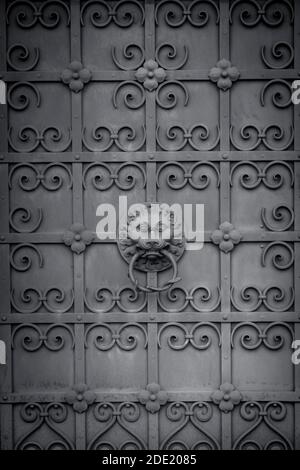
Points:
(273, 137)
(123, 138)
(101, 13)
(199, 336)
(35, 337)
(51, 176)
(282, 214)
(251, 175)
(167, 57)
(197, 136)
(31, 299)
(51, 415)
(200, 298)
(28, 14)
(282, 255)
(197, 13)
(253, 336)
(127, 299)
(280, 91)
(18, 98)
(18, 54)
(103, 177)
(122, 414)
(51, 139)
(126, 337)
(282, 52)
(269, 13)
(21, 257)
(23, 219)
(196, 414)
(178, 176)
(274, 298)
(268, 414)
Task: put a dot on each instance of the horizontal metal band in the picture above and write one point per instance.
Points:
(159, 156)
(120, 75)
(113, 396)
(146, 317)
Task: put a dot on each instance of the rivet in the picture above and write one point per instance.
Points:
(226, 357)
(2, 238)
(5, 397)
(79, 317)
(151, 156)
(4, 318)
(1, 157)
(77, 157)
(261, 246)
(225, 156)
(225, 317)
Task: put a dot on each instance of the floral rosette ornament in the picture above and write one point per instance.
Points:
(224, 74)
(153, 397)
(78, 238)
(150, 75)
(226, 397)
(76, 76)
(226, 237)
(80, 397)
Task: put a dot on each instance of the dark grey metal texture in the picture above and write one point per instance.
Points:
(169, 101)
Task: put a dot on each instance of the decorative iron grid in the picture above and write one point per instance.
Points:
(169, 101)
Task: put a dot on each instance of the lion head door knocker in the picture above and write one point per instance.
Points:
(152, 245)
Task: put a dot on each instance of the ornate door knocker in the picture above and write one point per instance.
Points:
(155, 249)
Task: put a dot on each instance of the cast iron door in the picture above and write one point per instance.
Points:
(178, 101)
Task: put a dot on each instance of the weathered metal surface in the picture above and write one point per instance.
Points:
(169, 101)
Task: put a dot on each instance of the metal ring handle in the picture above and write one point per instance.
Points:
(147, 288)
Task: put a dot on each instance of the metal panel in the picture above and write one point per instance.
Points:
(168, 101)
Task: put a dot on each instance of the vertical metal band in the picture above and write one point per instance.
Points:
(153, 431)
(6, 411)
(297, 222)
(225, 258)
(78, 218)
(297, 68)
